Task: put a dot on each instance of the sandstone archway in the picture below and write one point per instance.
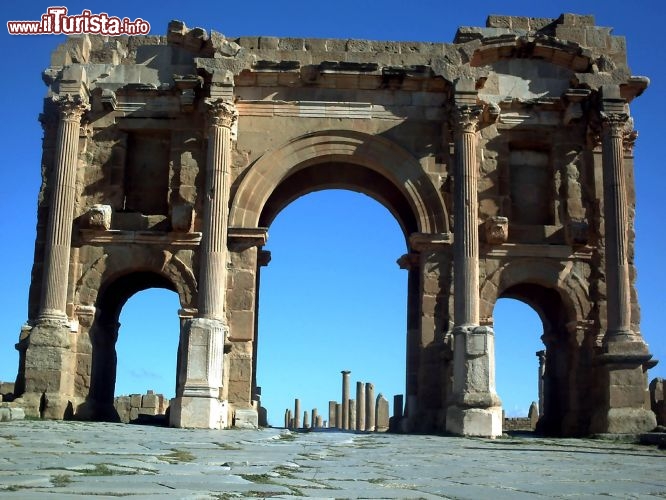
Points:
(494, 153)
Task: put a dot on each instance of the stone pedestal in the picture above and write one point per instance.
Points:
(49, 371)
(623, 383)
(474, 421)
(202, 346)
(198, 413)
(246, 418)
(474, 403)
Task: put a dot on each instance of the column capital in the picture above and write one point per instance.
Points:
(71, 107)
(467, 118)
(221, 113)
(615, 123)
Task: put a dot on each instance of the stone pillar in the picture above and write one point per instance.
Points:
(306, 420)
(286, 418)
(475, 409)
(398, 404)
(315, 414)
(352, 414)
(338, 416)
(360, 406)
(199, 405)
(381, 414)
(297, 413)
(290, 420)
(61, 209)
(369, 407)
(542, 372)
(345, 399)
(624, 353)
(332, 415)
(48, 362)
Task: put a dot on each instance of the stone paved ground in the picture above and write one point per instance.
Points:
(53, 460)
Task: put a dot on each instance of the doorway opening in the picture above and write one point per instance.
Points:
(331, 299)
(518, 331)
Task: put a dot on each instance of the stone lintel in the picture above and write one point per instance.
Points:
(247, 237)
(423, 241)
(116, 236)
(561, 252)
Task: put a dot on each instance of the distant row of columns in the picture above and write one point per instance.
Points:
(365, 413)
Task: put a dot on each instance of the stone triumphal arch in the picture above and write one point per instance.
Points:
(505, 156)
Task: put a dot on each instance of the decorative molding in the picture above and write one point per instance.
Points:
(221, 113)
(71, 107)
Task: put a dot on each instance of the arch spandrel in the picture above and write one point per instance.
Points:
(376, 153)
(111, 266)
(553, 275)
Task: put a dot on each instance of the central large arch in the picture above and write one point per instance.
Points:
(372, 158)
(340, 159)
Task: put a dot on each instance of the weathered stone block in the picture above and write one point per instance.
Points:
(150, 401)
(496, 230)
(246, 418)
(658, 399)
(182, 218)
(135, 400)
(99, 217)
(381, 414)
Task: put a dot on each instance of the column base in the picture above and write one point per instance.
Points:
(49, 371)
(246, 418)
(198, 413)
(479, 422)
(623, 421)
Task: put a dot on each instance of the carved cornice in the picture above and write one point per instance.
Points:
(221, 113)
(466, 119)
(71, 107)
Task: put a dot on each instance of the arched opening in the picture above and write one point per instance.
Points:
(147, 343)
(331, 299)
(534, 321)
(518, 331)
(143, 333)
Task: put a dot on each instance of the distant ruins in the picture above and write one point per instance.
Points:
(505, 156)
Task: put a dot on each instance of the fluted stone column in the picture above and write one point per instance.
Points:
(345, 399)
(360, 406)
(199, 405)
(474, 408)
(61, 210)
(624, 354)
(49, 364)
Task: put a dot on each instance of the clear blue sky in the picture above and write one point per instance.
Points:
(333, 297)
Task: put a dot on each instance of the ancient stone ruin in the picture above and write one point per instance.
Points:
(505, 156)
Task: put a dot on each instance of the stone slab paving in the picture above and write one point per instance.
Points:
(64, 460)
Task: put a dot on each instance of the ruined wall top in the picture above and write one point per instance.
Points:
(592, 53)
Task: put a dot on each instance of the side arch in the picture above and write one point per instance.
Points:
(551, 275)
(377, 154)
(111, 266)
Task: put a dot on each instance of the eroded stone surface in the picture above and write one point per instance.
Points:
(519, 131)
(71, 459)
